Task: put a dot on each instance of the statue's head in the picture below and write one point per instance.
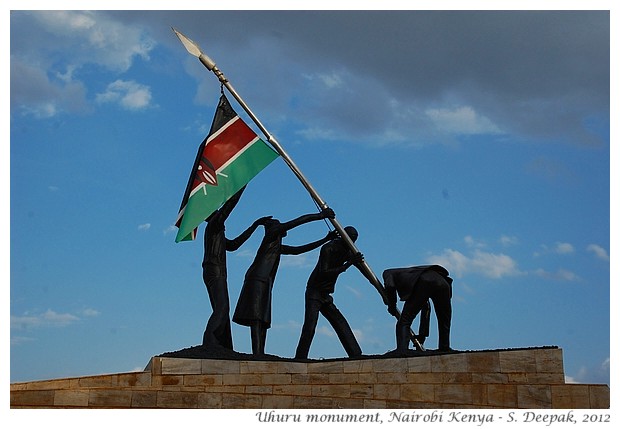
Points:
(351, 232)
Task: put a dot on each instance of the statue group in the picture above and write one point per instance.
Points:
(415, 286)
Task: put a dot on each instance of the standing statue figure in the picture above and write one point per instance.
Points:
(334, 259)
(214, 273)
(254, 305)
(415, 286)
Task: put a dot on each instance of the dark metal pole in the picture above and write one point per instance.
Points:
(195, 50)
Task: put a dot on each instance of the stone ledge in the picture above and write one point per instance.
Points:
(522, 378)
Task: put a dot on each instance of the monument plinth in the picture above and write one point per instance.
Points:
(530, 378)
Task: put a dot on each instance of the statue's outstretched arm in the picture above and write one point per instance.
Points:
(236, 243)
(325, 213)
(298, 250)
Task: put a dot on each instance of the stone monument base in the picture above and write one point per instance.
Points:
(510, 379)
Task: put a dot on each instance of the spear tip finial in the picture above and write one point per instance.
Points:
(189, 44)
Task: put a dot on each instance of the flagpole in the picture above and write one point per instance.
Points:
(195, 50)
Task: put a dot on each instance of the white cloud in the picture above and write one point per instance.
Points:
(325, 330)
(605, 364)
(90, 312)
(144, 227)
(598, 251)
(17, 340)
(128, 94)
(92, 37)
(507, 240)
(355, 291)
(454, 261)
(471, 242)
(296, 261)
(597, 373)
(564, 248)
(559, 248)
(292, 326)
(245, 254)
(318, 133)
(461, 120)
(487, 264)
(47, 319)
(330, 80)
(561, 275)
(40, 110)
(567, 275)
(35, 94)
(169, 230)
(569, 380)
(359, 335)
(50, 48)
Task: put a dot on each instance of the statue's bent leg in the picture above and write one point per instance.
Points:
(342, 328)
(411, 308)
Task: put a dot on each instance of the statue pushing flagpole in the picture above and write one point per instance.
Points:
(195, 50)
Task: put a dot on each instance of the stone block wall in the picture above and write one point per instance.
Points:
(522, 378)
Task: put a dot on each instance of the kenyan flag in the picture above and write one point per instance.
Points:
(230, 156)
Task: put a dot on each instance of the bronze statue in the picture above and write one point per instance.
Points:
(425, 322)
(415, 286)
(335, 258)
(214, 274)
(254, 305)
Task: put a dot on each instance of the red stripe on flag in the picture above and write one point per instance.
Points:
(227, 142)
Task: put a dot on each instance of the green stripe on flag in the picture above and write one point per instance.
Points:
(233, 177)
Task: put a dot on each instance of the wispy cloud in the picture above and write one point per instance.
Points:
(292, 326)
(359, 335)
(561, 275)
(508, 240)
(48, 319)
(326, 331)
(598, 251)
(245, 254)
(43, 86)
(592, 374)
(492, 265)
(504, 240)
(130, 95)
(92, 37)
(461, 120)
(472, 242)
(90, 312)
(330, 80)
(355, 291)
(564, 248)
(19, 339)
(297, 261)
(559, 248)
(144, 227)
(169, 230)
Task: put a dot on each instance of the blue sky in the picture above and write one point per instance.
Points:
(476, 140)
